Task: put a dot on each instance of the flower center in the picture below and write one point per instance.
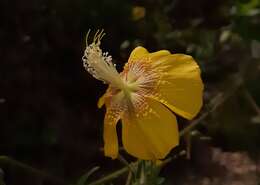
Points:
(140, 76)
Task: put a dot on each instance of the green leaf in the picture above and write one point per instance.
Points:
(249, 8)
(83, 179)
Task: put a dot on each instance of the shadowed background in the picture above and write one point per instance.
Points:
(48, 113)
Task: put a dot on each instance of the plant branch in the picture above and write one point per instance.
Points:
(124, 161)
(6, 162)
(111, 176)
(251, 101)
(129, 178)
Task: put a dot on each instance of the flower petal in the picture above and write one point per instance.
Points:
(180, 87)
(114, 101)
(138, 53)
(152, 134)
(101, 101)
(157, 55)
(110, 134)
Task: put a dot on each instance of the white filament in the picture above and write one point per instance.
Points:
(99, 64)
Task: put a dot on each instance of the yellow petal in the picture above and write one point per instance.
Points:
(101, 101)
(152, 134)
(180, 87)
(157, 55)
(114, 101)
(110, 134)
(138, 53)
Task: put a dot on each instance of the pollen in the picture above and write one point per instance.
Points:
(142, 80)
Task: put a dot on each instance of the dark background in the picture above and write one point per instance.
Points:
(48, 113)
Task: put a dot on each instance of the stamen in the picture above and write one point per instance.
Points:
(142, 79)
(99, 64)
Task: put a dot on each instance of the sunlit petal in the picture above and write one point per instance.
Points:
(180, 87)
(138, 53)
(110, 134)
(115, 104)
(101, 101)
(151, 133)
(158, 54)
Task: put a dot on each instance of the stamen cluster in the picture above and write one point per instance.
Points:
(97, 63)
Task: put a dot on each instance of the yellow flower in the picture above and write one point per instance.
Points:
(138, 12)
(143, 96)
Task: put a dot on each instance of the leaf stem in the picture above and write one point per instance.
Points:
(129, 178)
(6, 162)
(251, 101)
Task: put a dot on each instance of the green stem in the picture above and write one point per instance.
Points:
(2, 177)
(110, 176)
(7, 162)
(251, 101)
(124, 161)
(187, 138)
(129, 178)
